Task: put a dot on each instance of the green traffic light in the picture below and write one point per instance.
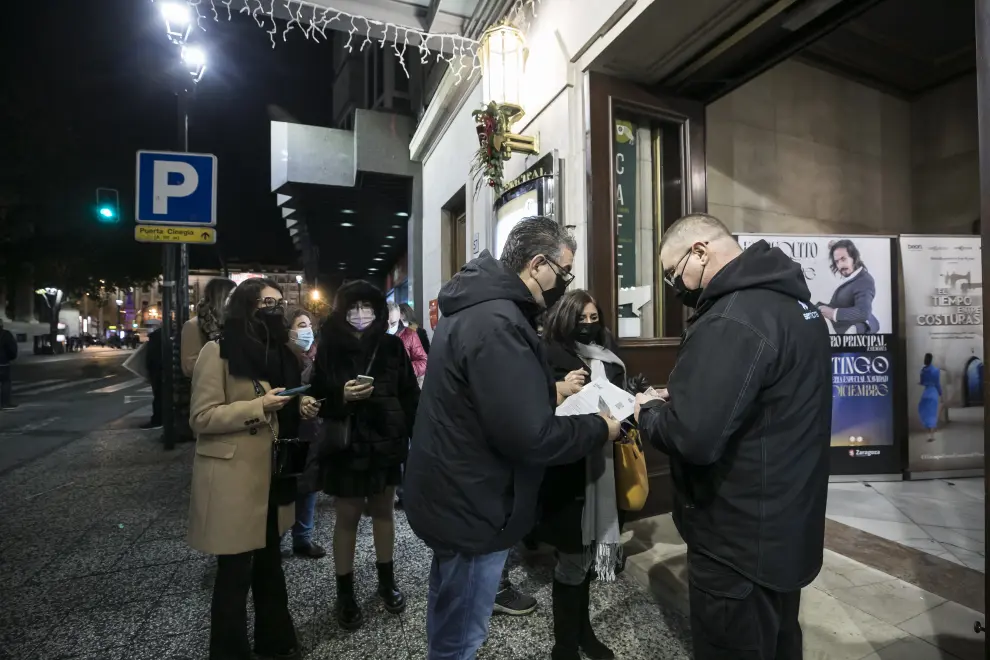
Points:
(106, 212)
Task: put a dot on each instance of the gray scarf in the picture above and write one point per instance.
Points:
(600, 518)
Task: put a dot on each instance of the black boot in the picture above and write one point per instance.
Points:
(566, 621)
(592, 648)
(349, 614)
(393, 599)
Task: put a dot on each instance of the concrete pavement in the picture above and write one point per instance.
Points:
(61, 398)
(95, 567)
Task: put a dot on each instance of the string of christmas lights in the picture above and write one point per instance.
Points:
(460, 53)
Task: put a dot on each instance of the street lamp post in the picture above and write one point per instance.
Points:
(175, 386)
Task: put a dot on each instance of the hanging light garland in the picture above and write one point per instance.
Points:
(312, 21)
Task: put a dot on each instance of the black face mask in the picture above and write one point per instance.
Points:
(688, 297)
(556, 292)
(588, 333)
(273, 319)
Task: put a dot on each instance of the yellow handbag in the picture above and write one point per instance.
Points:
(632, 486)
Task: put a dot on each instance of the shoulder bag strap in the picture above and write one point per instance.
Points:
(374, 354)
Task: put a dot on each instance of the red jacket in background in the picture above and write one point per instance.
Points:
(414, 349)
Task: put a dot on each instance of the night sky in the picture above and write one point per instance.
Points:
(102, 78)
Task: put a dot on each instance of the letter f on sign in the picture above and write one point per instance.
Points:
(164, 190)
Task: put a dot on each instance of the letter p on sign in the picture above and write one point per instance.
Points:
(165, 190)
(176, 189)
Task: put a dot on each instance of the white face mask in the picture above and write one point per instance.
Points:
(303, 338)
(360, 317)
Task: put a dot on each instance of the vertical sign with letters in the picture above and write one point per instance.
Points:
(624, 155)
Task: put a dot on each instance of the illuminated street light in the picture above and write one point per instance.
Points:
(314, 294)
(194, 58)
(299, 279)
(178, 21)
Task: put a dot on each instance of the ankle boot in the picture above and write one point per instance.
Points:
(566, 621)
(392, 598)
(592, 648)
(349, 615)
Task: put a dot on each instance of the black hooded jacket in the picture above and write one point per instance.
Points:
(486, 429)
(748, 423)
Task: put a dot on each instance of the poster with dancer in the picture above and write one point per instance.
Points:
(943, 313)
(850, 280)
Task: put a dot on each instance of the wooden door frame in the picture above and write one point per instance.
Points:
(654, 357)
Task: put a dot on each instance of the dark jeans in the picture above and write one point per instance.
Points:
(459, 605)
(259, 571)
(5, 396)
(732, 618)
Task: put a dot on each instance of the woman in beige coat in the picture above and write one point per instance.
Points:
(237, 511)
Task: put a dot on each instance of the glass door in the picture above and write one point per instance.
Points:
(647, 169)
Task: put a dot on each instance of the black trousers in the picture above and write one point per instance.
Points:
(733, 618)
(259, 571)
(5, 396)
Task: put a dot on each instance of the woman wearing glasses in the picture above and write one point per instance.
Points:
(237, 510)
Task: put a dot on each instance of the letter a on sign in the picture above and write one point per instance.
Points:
(165, 190)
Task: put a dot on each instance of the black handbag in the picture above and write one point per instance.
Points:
(288, 454)
(337, 433)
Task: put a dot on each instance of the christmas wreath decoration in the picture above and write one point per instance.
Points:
(486, 166)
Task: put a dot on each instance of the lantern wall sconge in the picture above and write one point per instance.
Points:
(503, 54)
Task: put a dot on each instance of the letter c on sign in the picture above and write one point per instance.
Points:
(164, 190)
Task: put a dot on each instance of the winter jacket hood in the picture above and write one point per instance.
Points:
(483, 280)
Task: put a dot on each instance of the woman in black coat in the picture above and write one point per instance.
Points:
(584, 532)
(374, 421)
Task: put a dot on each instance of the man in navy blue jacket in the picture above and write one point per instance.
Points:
(746, 421)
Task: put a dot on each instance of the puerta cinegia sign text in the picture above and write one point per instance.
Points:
(176, 189)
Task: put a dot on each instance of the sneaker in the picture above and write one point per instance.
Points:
(309, 550)
(513, 602)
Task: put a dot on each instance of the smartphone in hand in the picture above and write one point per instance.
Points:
(366, 380)
(295, 391)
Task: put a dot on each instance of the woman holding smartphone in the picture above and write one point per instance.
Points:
(370, 396)
(237, 510)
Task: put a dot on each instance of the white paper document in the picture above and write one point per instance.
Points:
(620, 403)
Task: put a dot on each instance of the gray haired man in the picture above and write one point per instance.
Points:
(486, 430)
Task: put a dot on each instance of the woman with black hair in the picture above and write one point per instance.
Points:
(368, 425)
(238, 511)
(580, 516)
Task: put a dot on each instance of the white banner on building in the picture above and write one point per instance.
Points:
(943, 313)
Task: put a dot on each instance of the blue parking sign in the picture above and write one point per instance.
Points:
(176, 188)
